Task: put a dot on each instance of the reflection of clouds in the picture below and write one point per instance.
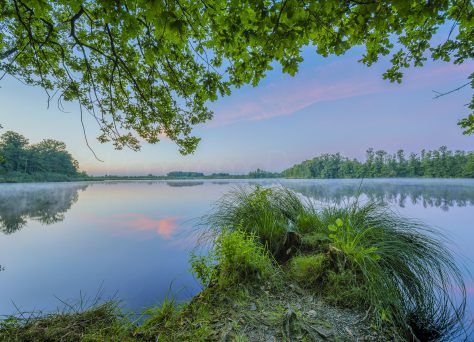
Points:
(164, 227)
(470, 289)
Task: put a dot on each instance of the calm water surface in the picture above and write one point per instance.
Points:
(131, 240)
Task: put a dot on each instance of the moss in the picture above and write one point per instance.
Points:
(308, 270)
(314, 241)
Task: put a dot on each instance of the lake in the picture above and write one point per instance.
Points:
(78, 243)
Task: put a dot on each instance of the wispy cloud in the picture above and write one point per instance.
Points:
(290, 96)
(335, 81)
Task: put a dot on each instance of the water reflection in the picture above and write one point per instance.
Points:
(164, 227)
(178, 184)
(428, 193)
(45, 203)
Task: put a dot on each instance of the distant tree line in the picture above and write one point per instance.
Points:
(184, 174)
(18, 156)
(441, 163)
(252, 174)
(262, 174)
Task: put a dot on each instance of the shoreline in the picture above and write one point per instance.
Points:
(190, 179)
(243, 312)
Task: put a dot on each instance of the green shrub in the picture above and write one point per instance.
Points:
(236, 256)
(307, 221)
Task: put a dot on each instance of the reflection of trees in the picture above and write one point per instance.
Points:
(179, 184)
(45, 203)
(220, 182)
(442, 194)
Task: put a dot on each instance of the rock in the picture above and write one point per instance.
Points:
(253, 307)
(312, 314)
(297, 289)
(323, 332)
(270, 338)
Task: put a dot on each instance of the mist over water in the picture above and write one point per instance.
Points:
(44, 203)
(131, 240)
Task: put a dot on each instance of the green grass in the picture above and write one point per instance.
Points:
(267, 213)
(405, 269)
(96, 324)
(398, 270)
(236, 257)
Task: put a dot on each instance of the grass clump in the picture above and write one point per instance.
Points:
(95, 324)
(236, 257)
(408, 276)
(269, 213)
(159, 318)
(361, 255)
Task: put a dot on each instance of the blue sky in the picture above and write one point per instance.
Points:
(332, 105)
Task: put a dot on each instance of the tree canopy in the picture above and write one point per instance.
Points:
(144, 68)
(48, 156)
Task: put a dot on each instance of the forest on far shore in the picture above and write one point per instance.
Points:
(440, 163)
(47, 160)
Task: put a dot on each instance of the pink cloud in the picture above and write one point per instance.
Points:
(439, 74)
(450, 68)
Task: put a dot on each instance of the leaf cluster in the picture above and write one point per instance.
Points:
(148, 69)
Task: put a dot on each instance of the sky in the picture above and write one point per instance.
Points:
(332, 105)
